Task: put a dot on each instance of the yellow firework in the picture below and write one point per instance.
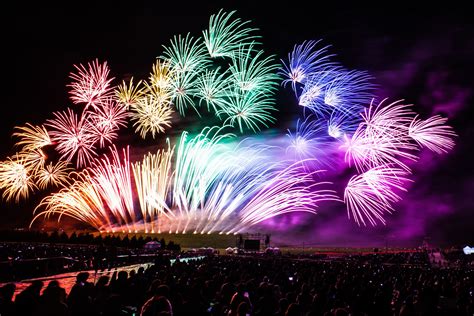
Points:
(129, 95)
(15, 179)
(53, 175)
(153, 180)
(33, 160)
(32, 137)
(161, 95)
(161, 75)
(151, 115)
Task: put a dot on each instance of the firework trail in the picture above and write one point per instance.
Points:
(81, 201)
(153, 179)
(101, 195)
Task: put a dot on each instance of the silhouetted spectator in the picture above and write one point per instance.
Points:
(27, 301)
(79, 299)
(52, 302)
(7, 306)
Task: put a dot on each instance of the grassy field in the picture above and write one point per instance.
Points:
(220, 242)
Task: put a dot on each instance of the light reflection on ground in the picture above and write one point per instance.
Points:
(67, 280)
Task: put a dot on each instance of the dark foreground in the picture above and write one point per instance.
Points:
(376, 284)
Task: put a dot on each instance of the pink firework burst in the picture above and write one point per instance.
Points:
(91, 85)
(382, 137)
(432, 134)
(369, 196)
(72, 136)
(106, 119)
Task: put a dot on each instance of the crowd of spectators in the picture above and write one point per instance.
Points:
(377, 284)
(457, 258)
(59, 253)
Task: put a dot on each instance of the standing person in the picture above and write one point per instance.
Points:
(80, 297)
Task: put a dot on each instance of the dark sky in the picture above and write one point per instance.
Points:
(421, 54)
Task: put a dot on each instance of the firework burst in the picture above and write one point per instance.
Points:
(252, 73)
(53, 175)
(15, 179)
(72, 137)
(32, 137)
(91, 85)
(186, 54)
(306, 141)
(248, 110)
(225, 37)
(433, 134)
(303, 62)
(213, 88)
(106, 119)
(129, 94)
(151, 115)
(369, 196)
(382, 138)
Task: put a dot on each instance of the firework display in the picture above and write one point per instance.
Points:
(225, 178)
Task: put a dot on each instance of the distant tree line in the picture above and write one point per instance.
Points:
(83, 238)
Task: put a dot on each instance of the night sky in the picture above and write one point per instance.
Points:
(423, 55)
